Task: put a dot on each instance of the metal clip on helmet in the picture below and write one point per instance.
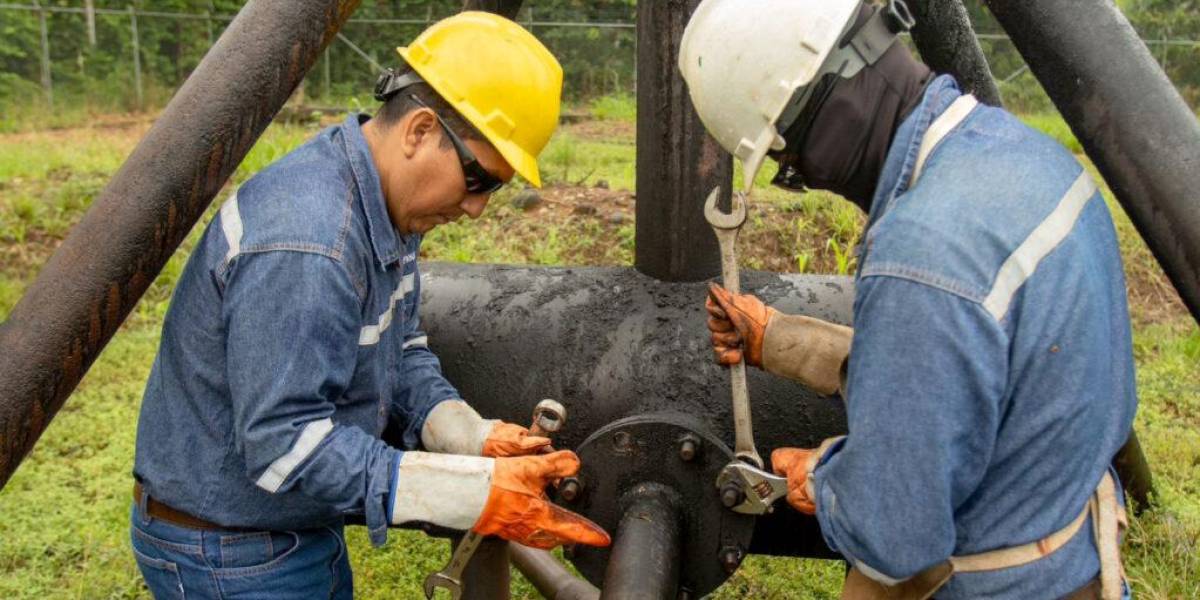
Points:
(751, 66)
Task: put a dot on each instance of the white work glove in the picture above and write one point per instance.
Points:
(453, 427)
(504, 497)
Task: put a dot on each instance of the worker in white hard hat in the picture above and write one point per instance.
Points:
(294, 338)
(988, 379)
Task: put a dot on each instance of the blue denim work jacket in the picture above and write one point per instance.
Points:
(291, 341)
(991, 379)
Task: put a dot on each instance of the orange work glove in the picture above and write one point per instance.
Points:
(518, 510)
(507, 439)
(796, 464)
(737, 323)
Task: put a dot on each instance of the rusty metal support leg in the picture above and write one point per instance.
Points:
(88, 287)
(947, 43)
(678, 163)
(1134, 472)
(644, 564)
(486, 576)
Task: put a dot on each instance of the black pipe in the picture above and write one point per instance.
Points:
(549, 577)
(947, 43)
(93, 280)
(1130, 119)
(486, 576)
(678, 163)
(644, 563)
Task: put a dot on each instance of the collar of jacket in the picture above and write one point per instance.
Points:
(385, 240)
(902, 155)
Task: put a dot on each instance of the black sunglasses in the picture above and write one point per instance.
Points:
(478, 179)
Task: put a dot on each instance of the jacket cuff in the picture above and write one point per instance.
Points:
(816, 459)
(453, 427)
(443, 489)
(379, 492)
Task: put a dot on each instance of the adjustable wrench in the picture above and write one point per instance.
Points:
(548, 417)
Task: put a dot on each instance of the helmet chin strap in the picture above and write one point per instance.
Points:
(839, 141)
(390, 83)
(864, 46)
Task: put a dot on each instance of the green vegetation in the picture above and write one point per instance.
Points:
(620, 107)
(1053, 125)
(65, 533)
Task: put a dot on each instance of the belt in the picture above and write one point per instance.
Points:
(161, 511)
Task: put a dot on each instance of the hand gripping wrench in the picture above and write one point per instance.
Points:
(548, 417)
(754, 490)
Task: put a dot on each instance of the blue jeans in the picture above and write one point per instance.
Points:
(178, 562)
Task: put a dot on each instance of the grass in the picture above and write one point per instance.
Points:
(1051, 124)
(615, 107)
(64, 532)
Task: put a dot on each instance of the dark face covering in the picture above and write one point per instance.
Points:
(843, 135)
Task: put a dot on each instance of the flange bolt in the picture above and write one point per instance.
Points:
(570, 488)
(731, 558)
(688, 448)
(731, 495)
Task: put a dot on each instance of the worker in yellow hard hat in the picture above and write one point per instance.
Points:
(293, 339)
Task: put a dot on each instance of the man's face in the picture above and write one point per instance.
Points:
(422, 176)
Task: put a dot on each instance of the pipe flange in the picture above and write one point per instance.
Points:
(646, 449)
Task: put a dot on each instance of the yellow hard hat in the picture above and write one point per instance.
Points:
(499, 77)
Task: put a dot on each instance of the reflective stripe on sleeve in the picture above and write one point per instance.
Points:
(1044, 238)
(421, 341)
(944, 124)
(370, 334)
(306, 442)
(231, 225)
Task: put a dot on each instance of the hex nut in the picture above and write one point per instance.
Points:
(570, 488)
(689, 447)
(731, 558)
(731, 495)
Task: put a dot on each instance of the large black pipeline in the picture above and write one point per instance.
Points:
(611, 343)
(947, 43)
(93, 280)
(1130, 119)
(644, 564)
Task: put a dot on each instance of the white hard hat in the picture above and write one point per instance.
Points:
(749, 62)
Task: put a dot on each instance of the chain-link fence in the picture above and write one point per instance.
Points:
(129, 58)
(117, 57)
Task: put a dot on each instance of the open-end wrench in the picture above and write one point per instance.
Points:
(753, 489)
(450, 577)
(727, 226)
(548, 417)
